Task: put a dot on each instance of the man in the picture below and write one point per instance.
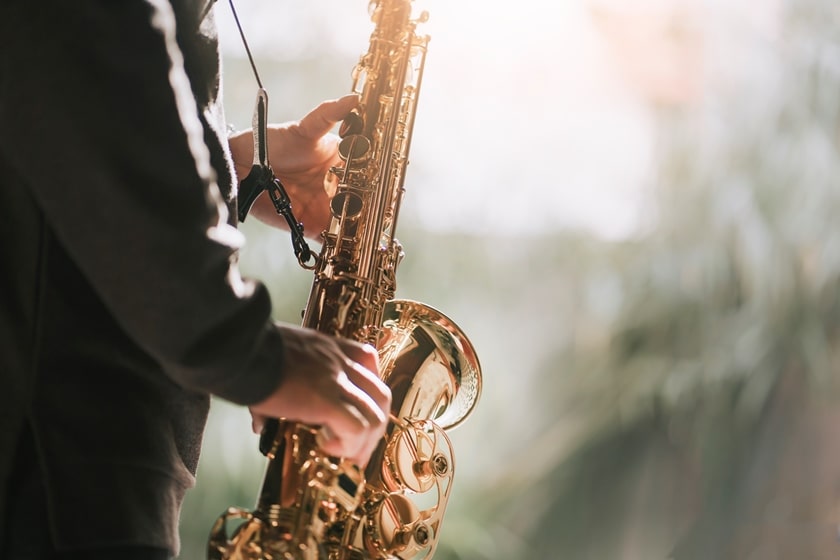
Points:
(121, 306)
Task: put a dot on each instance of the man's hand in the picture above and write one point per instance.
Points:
(301, 154)
(333, 383)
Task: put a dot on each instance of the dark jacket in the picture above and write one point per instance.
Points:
(121, 308)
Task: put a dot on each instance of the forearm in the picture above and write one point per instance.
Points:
(134, 202)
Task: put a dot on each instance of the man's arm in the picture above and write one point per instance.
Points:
(98, 118)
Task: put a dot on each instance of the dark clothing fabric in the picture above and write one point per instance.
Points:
(121, 308)
(28, 534)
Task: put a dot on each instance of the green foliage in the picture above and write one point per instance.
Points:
(671, 395)
(709, 400)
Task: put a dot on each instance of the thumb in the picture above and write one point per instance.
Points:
(257, 422)
(325, 116)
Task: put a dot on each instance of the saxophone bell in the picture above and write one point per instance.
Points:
(316, 507)
(306, 504)
(429, 364)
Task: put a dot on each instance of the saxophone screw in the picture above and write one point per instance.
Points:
(421, 534)
(440, 464)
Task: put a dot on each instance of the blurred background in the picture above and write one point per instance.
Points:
(630, 208)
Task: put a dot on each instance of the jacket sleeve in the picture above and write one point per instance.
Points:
(97, 113)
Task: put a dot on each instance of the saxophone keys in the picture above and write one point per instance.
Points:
(354, 147)
(346, 205)
(396, 527)
(418, 457)
(353, 123)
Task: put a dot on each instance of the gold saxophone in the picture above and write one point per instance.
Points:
(312, 506)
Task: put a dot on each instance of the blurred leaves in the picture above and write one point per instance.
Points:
(673, 394)
(704, 419)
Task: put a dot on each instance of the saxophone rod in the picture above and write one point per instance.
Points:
(396, 420)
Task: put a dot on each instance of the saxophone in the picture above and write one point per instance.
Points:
(316, 507)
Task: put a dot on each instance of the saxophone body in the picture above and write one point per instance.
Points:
(315, 507)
